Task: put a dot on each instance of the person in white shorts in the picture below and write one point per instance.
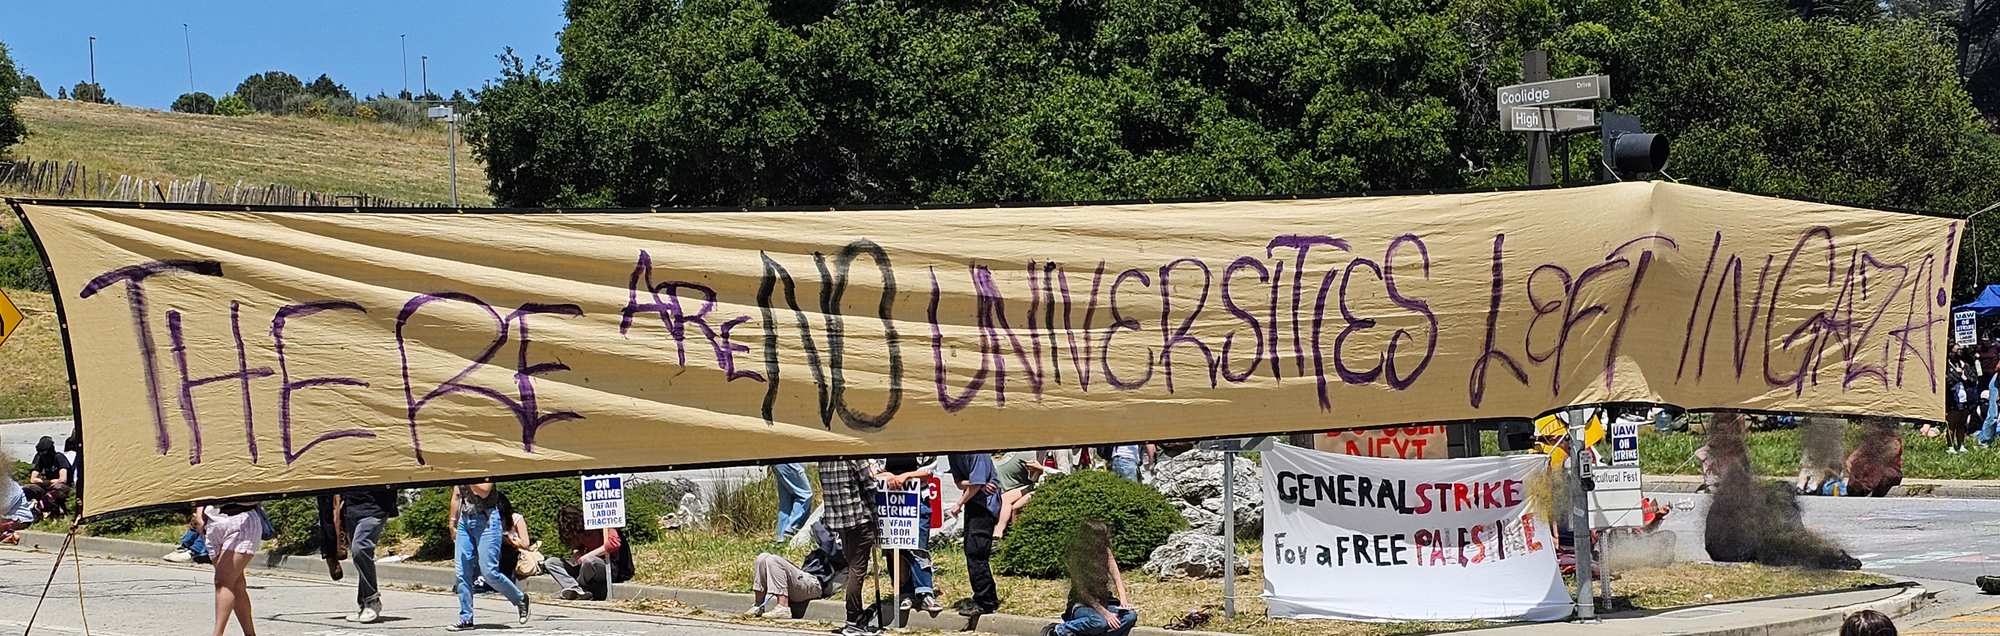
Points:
(234, 531)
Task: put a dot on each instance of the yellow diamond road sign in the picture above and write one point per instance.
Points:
(10, 317)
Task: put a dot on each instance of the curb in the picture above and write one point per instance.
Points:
(1923, 490)
(723, 604)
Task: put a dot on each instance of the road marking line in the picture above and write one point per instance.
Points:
(1971, 619)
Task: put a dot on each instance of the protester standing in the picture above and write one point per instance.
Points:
(795, 494)
(1125, 460)
(848, 491)
(979, 485)
(476, 527)
(234, 532)
(916, 589)
(364, 514)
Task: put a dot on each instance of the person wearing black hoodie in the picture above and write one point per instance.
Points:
(49, 481)
(364, 513)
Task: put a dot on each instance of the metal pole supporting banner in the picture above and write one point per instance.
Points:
(1579, 425)
(1228, 534)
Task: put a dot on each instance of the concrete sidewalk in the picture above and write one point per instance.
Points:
(1952, 488)
(1806, 615)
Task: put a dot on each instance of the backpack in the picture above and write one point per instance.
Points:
(828, 561)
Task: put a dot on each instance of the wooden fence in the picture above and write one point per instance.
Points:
(69, 179)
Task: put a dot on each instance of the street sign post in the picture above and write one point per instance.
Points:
(603, 502)
(1557, 91)
(1547, 119)
(1230, 447)
(1964, 326)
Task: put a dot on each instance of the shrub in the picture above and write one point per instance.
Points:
(12, 129)
(325, 87)
(424, 520)
(266, 92)
(20, 263)
(31, 87)
(127, 524)
(1038, 538)
(88, 92)
(399, 111)
(744, 508)
(364, 112)
(195, 103)
(232, 106)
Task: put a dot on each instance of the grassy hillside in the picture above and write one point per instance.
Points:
(335, 156)
(36, 383)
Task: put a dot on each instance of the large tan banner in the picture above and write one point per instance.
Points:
(227, 353)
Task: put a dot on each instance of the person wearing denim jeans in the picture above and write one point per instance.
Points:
(1989, 428)
(1096, 588)
(795, 494)
(917, 588)
(475, 515)
(1085, 621)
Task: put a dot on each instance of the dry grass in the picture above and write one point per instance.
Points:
(36, 382)
(713, 561)
(331, 155)
(1694, 583)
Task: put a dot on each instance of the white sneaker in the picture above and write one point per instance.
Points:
(179, 555)
(355, 617)
(369, 614)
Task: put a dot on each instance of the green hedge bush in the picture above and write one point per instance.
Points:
(1038, 539)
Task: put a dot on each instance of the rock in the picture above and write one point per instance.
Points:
(1191, 554)
(1193, 481)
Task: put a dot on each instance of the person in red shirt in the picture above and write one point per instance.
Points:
(586, 572)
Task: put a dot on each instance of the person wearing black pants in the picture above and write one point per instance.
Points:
(980, 504)
(848, 492)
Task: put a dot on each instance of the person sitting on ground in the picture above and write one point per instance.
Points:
(49, 481)
(1868, 623)
(193, 549)
(16, 512)
(587, 572)
(1019, 473)
(1093, 577)
(774, 580)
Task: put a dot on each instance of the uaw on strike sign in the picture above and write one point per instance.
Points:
(1368, 539)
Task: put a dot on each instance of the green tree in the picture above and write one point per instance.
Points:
(266, 92)
(88, 92)
(232, 106)
(325, 87)
(198, 103)
(31, 87)
(11, 127)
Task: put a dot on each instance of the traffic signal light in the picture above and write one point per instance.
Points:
(1628, 149)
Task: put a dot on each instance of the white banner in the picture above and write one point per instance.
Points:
(1368, 539)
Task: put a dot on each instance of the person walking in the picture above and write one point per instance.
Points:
(848, 491)
(1093, 608)
(476, 528)
(234, 532)
(795, 494)
(364, 514)
(979, 485)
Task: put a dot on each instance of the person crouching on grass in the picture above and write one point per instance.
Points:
(1093, 577)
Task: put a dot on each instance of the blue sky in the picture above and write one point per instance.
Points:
(141, 60)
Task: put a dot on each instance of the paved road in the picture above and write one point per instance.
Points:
(17, 439)
(141, 599)
(1942, 539)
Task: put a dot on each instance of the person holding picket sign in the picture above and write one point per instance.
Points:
(917, 591)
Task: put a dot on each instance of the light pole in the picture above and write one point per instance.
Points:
(188, 42)
(424, 64)
(406, 62)
(93, 61)
(451, 126)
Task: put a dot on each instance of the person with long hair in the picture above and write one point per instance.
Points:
(234, 532)
(586, 572)
(476, 526)
(1868, 623)
(1098, 604)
